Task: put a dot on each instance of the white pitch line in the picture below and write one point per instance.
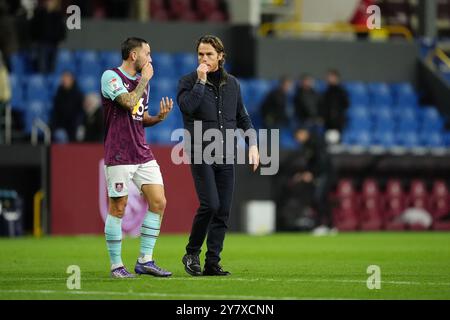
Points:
(227, 279)
(163, 295)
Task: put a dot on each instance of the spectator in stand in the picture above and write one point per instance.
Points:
(273, 109)
(67, 110)
(8, 36)
(91, 129)
(306, 102)
(334, 103)
(48, 29)
(360, 16)
(310, 168)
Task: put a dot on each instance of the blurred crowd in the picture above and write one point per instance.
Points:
(307, 175)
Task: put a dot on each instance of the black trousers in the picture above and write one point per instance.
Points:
(214, 184)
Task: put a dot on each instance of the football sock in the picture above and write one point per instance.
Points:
(113, 235)
(149, 234)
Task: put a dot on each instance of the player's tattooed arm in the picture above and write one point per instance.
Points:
(130, 99)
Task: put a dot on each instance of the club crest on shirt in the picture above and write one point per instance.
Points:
(119, 186)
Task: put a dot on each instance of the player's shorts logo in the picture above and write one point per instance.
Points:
(119, 187)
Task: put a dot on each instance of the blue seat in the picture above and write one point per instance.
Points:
(258, 89)
(320, 85)
(17, 98)
(164, 65)
(88, 62)
(361, 138)
(385, 138)
(36, 109)
(185, 62)
(19, 65)
(358, 93)
(163, 84)
(358, 111)
(287, 140)
(88, 84)
(408, 139)
(431, 119)
(381, 124)
(37, 88)
(53, 81)
(404, 93)
(110, 59)
(432, 139)
(380, 93)
(65, 61)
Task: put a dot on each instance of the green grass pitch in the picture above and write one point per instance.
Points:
(280, 266)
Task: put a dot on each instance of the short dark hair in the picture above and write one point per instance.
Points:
(129, 45)
(334, 72)
(216, 43)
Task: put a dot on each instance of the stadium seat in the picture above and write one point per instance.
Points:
(418, 198)
(65, 61)
(345, 213)
(440, 206)
(19, 65)
(431, 119)
(164, 65)
(394, 205)
(37, 88)
(380, 93)
(383, 137)
(258, 90)
(88, 62)
(182, 9)
(287, 140)
(88, 84)
(110, 59)
(404, 94)
(17, 99)
(407, 139)
(358, 93)
(371, 206)
(185, 63)
(432, 139)
(53, 81)
(36, 109)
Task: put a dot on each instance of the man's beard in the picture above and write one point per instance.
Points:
(138, 66)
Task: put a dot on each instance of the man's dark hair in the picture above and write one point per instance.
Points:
(216, 43)
(130, 44)
(334, 72)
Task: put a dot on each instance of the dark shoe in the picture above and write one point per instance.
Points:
(192, 264)
(151, 268)
(214, 270)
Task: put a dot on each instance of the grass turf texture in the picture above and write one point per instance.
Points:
(281, 266)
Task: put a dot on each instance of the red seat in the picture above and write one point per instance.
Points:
(439, 206)
(345, 215)
(371, 206)
(418, 198)
(158, 10)
(394, 205)
(206, 7)
(182, 10)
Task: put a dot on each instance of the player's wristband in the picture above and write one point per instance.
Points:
(201, 81)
